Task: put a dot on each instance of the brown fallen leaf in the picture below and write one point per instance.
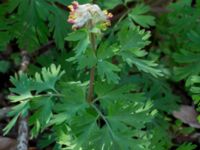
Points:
(188, 115)
(32, 148)
(7, 143)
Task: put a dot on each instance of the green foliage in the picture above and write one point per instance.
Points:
(135, 73)
(111, 4)
(184, 44)
(27, 23)
(138, 15)
(191, 60)
(187, 146)
(133, 40)
(90, 126)
(82, 37)
(193, 83)
(106, 69)
(40, 103)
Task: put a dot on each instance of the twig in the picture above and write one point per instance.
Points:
(159, 10)
(25, 61)
(22, 139)
(43, 49)
(181, 138)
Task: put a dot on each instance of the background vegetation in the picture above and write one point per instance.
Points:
(147, 81)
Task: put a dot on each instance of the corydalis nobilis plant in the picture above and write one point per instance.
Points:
(81, 15)
(111, 119)
(102, 110)
(89, 16)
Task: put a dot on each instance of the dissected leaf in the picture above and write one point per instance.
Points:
(138, 14)
(187, 146)
(24, 88)
(108, 70)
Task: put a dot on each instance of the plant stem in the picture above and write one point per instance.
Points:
(92, 71)
(105, 119)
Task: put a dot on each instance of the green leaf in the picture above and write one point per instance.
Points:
(108, 93)
(10, 125)
(186, 57)
(138, 14)
(48, 78)
(62, 134)
(191, 60)
(45, 140)
(108, 70)
(142, 65)
(44, 81)
(23, 86)
(28, 26)
(73, 100)
(187, 146)
(121, 113)
(88, 60)
(83, 41)
(111, 3)
(106, 51)
(193, 84)
(21, 108)
(84, 129)
(119, 129)
(133, 39)
(76, 35)
(42, 114)
(82, 46)
(194, 37)
(11, 5)
(111, 92)
(18, 110)
(42, 8)
(58, 25)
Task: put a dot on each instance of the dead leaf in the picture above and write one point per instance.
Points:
(7, 143)
(32, 148)
(188, 115)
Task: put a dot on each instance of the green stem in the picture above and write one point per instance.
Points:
(93, 69)
(104, 118)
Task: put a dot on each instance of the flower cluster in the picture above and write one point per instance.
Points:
(81, 15)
